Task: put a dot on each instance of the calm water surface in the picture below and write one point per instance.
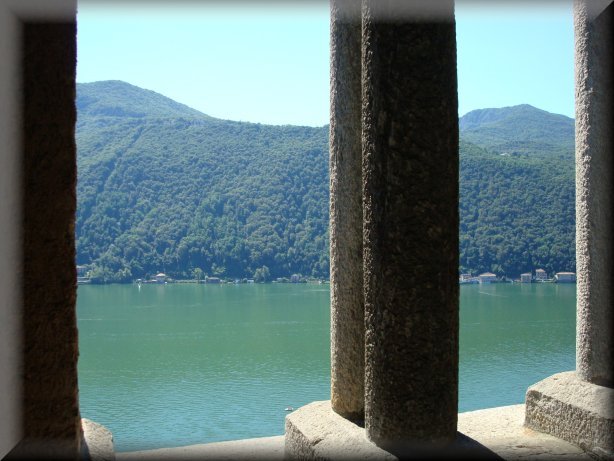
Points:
(172, 365)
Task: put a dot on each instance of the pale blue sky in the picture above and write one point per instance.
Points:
(269, 63)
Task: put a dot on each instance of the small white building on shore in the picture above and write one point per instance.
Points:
(487, 277)
(565, 277)
(527, 277)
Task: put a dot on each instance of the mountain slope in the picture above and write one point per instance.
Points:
(517, 214)
(163, 187)
(521, 129)
(114, 98)
(177, 194)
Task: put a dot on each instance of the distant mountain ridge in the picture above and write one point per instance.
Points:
(164, 187)
(114, 98)
(521, 129)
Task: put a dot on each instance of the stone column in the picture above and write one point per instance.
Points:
(579, 406)
(347, 307)
(594, 229)
(51, 422)
(410, 207)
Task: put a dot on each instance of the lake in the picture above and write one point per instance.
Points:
(180, 364)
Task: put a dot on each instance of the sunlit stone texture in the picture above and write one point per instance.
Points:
(347, 307)
(579, 407)
(594, 189)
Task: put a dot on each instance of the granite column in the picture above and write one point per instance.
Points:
(594, 189)
(578, 406)
(347, 307)
(410, 230)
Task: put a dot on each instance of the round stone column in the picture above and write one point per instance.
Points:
(411, 222)
(347, 307)
(594, 190)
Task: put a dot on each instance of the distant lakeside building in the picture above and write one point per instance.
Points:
(487, 277)
(467, 278)
(565, 277)
(540, 275)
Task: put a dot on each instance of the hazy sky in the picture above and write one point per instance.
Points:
(270, 64)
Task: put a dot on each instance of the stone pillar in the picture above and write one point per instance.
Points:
(579, 406)
(411, 223)
(347, 307)
(51, 421)
(594, 189)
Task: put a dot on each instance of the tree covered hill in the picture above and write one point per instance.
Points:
(517, 191)
(163, 187)
(120, 99)
(184, 191)
(521, 129)
(517, 214)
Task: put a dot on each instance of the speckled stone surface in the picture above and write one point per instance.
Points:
(98, 441)
(572, 409)
(346, 293)
(410, 206)
(316, 432)
(265, 449)
(579, 406)
(594, 193)
(502, 430)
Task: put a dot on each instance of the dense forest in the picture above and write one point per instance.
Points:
(517, 191)
(163, 187)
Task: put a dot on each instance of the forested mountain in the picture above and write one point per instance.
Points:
(517, 191)
(521, 129)
(163, 187)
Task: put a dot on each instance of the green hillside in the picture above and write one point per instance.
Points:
(186, 192)
(163, 187)
(517, 214)
(519, 130)
(114, 98)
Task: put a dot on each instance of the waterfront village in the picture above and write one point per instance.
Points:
(540, 276)
(162, 278)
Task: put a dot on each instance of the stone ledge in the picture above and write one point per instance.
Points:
(316, 432)
(573, 410)
(98, 441)
(262, 448)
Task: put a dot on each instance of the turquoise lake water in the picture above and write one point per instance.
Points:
(180, 364)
